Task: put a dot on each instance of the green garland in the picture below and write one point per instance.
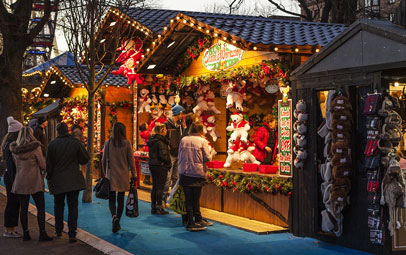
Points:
(113, 110)
(193, 52)
(250, 183)
(274, 69)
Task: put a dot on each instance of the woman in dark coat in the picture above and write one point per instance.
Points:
(12, 209)
(159, 165)
(117, 161)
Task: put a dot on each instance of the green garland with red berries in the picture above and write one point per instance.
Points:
(250, 183)
(193, 52)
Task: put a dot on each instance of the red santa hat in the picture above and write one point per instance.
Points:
(237, 113)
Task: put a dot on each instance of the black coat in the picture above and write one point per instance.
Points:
(174, 135)
(10, 164)
(64, 155)
(159, 151)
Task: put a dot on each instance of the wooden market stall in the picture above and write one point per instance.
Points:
(367, 60)
(197, 56)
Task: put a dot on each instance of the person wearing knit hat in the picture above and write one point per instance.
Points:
(12, 210)
(175, 126)
(13, 125)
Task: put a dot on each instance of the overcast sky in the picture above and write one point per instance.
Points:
(250, 7)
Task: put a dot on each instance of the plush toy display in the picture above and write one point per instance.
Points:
(201, 105)
(144, 101)
(156, 114)
(236, 95)
(209, 122)
(128, 70)
(239, 127)
(162, 96)
(209, 98)
(239, 151)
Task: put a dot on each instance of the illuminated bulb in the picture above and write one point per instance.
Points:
(165, 28)
(191, 24)
(200, 27)
(397, 84)
(138, 27)
(153, 43)
(138, 62)
(146, 33)
(215, 34)
(255, 48)
(142, 30)
(177, 17)
(207, 31)
(128, 22)
(317, 50)
(142, 56)
(234, 41)
(296, 50)
(159, 36)
(148, 49)
(172, 20)
(107, 86)
(224, 38)
(275, 49)
(184, 21)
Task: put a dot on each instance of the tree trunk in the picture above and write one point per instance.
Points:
(87, 194)
(10, 87)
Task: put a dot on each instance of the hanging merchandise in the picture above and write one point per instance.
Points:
(144, 102)
(393, 186)
(209, 123)
(299, 136)
(236, 95)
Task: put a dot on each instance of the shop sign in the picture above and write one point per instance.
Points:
(285, 137)
(221, 56)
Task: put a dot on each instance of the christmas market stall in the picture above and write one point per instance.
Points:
(352, 191)
(231, 72)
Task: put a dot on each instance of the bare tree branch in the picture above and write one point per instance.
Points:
(279, 7)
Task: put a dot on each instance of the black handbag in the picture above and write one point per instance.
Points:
(131, 208)
(102, 188)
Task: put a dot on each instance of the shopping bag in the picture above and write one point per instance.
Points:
(177, 202)
(173, 191)
(102, 188)
(131, 208)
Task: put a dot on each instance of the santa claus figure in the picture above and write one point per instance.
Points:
(131, 48)
(156, 117)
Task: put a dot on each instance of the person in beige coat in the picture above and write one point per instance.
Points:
(29, 179)
(117, 161)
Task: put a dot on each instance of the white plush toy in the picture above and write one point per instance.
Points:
(236, 95)
(209, 123)
(144, 101)
(201, 105)
(246, 154)
(239, 127)
(209, 98)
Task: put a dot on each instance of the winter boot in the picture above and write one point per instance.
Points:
(26, 235)
(43, 237)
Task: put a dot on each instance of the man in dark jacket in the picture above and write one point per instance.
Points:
(38, 125)
(174, 127)
(65, 179)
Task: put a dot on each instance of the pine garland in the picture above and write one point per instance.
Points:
(250, 183)
(193, 52)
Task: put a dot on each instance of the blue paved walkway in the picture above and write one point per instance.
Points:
(150, 234)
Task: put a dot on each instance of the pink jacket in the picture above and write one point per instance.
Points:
(193, 154)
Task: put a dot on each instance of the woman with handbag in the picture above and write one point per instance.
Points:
(29, 179)
(12, 209)
(159, 165)
(117, 160)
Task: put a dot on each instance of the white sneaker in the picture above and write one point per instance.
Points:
(11, 234)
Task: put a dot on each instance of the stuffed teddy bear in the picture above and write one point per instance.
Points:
(201, 105)
(156, 114)
(153, 93)
(233, 153)
(161, 96)
(209, 123)
(239, 126)
(130, 48)
(246, 154)
(209, 98)
(144, 101)
(236, 95)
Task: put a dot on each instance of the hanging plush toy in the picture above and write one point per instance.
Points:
(128, 70)
(144, 101)
(201, 105)
(130, 48)
(236, 95)
(239, 126)
(209, 98)
(161, 96)
(156, 114)
(209, 123)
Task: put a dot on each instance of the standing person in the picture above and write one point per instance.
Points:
(116, 161)
(65, 180)
(12, 209)
(194, 152)
(77, 129)
(29, 179)
(159, 165)
(40, 133)
(174, 127)
(266, 141)
(144, 133)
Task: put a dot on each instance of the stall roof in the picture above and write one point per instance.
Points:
(65, 59)
(250, 28)
(48, 109)
(366, 44)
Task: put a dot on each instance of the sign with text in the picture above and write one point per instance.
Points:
(285, 137)
(221, 56)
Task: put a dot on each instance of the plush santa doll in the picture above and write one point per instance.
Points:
(130, 48)
(128, 70)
